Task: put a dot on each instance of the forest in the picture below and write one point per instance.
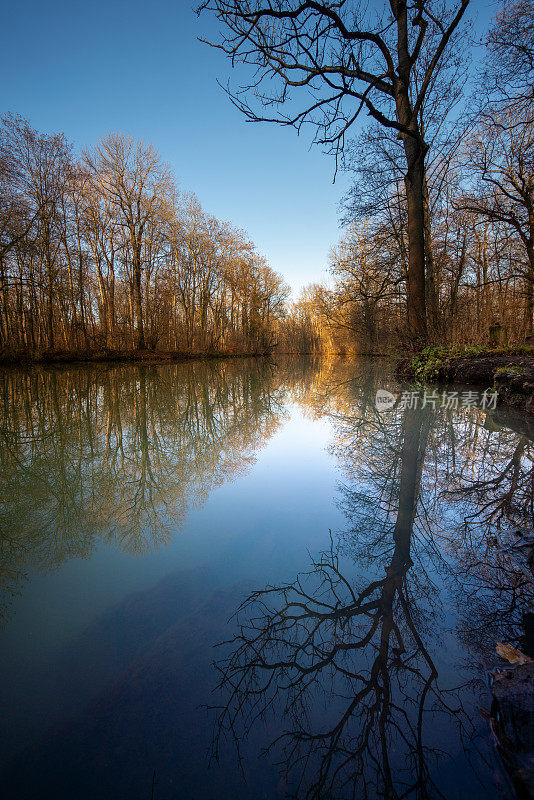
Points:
(101, 253)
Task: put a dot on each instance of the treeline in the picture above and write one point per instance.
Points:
(478, 220)
(101, 253)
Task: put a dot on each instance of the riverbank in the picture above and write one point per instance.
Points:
(108, 356)
(510, 372)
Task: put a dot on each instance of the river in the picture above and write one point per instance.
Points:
(241, 579)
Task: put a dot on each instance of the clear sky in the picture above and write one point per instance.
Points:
(88, 68)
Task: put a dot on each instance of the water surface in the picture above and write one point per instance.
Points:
(371, 557)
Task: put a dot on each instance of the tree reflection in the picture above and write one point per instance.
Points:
(347, 660)
(494, 581)
(121, 454)
(476, 504)
(355, 647)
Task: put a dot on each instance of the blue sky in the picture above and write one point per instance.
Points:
(87, 68)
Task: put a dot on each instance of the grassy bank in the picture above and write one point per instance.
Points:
(509, 370)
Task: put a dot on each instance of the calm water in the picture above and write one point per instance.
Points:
(141, 506)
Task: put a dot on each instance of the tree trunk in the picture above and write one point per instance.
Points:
(414, 183)
(140, 331)
(529, 300)
(50, 308)
(432, 303)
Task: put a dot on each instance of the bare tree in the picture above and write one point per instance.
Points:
(42, 166)
(500, 153)
(133, 178)
(510, 71)
(349, 58)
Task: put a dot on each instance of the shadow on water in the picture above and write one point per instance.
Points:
(362, 677)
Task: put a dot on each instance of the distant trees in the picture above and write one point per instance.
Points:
(499, 147)
(367, 265)
(102, 253)
(303, 330)
(500, 158)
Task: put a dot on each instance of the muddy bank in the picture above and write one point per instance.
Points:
(512, 375)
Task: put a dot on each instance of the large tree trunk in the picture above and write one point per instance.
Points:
(414, 180)
(414, 183)
(81, 282)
